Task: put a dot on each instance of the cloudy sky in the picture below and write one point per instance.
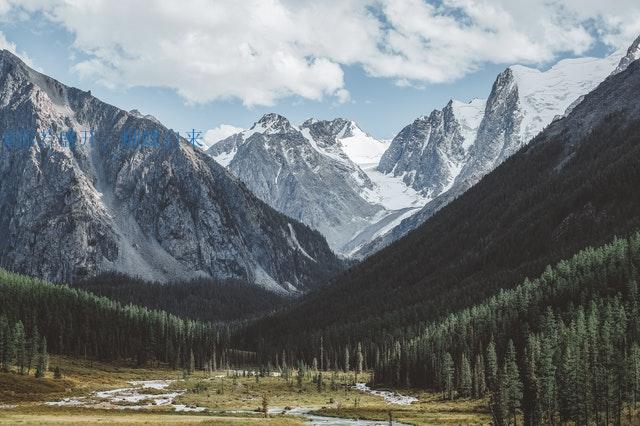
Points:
(206, 63)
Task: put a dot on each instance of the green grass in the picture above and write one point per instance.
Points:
(246, 393)
(218, 391)
(430, 409)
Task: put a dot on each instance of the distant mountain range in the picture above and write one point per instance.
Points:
(449, 151)
(165, 212)
(314, 173)
(363, 194)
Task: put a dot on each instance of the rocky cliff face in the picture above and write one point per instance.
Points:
(159, 210)
(429, 153)
(304, 173)
(633, 54)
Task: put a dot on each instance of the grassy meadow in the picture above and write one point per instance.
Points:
(230, 399)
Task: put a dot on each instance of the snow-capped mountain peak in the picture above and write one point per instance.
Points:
(360, 147)
(544, 94)
(271, 124)
(304, 172)
(429, 153)
(633, 54)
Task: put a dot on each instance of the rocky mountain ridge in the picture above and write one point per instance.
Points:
(157, 211)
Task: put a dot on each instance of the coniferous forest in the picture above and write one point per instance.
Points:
(84, 325)
(201, 299)
(563, 347)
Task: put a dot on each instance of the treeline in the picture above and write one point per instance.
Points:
(25, 352)
(80, 324)
(564, 347)
(199, 299)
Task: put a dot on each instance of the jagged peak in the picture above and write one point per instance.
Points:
(335, 121)
(272, 123)
(136, 113)
(633, 54)
(472, 102)
(339, 127)
(309, 122)
(17, 65)
(7, 55)
(509, 72)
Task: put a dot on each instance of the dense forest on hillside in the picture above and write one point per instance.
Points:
(200, 299)
(565, 346)
(81, 324)
(542, 205)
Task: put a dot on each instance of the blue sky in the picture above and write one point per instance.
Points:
(381, 99)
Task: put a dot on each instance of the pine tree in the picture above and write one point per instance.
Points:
(300, 376)
(447, 375)
(192, 362)
(479, 382)
(359, 360)
(531, 396)
(20, 347)
(567, 392)
(346, 359)
(511, 377)
(500, 400)
(32, 348)
(492, 366)
(43, 359)
(465, 376)
(547, 379)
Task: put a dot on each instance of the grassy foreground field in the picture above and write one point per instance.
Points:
(229, 400)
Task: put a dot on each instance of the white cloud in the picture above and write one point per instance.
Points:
(343, 96)
(221, 132)
(260, 51)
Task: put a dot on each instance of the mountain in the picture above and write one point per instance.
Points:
(361, 148)
(633, 54)
(307, 173)
(574, 185)
(429, 153)
(138, 114)
(152, 207)
(522, 102)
